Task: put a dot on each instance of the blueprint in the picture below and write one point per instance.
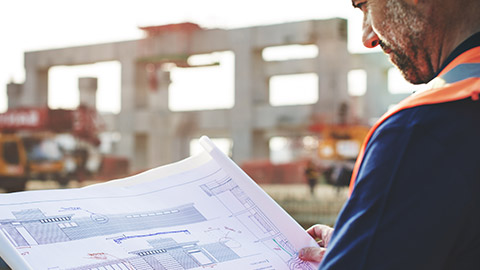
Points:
(200, 213)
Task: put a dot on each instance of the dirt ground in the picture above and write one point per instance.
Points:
(50, 184)
(321, 208)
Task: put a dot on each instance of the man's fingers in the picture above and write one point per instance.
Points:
(321, 233)
(312, 254)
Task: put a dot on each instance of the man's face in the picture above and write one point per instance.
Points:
(399, 29)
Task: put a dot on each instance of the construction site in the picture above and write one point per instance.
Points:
(42, 147)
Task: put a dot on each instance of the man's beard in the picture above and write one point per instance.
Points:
(406, 29)
(405, 63)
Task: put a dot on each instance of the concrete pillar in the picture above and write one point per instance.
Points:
(332, 69)
(182, 127)
(242, 113)
(158, 98)
(181, 147)
(142, 85)
(161, 143)
(126, 118)
(14, 95)
(261, 143)
(35, 90)
(87, 87)
(161, 134)
(260, 88)
(377, 94)
(159, 148)
(141, 145)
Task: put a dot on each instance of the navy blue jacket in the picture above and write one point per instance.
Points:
(416, 199)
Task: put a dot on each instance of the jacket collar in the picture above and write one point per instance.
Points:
(466, 65)
(470, 43)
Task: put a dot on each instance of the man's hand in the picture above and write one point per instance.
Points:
(322, 234)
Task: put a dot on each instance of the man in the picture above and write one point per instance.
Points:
(311, 173)
(415, 202)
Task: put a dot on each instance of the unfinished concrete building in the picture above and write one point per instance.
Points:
(152, 134)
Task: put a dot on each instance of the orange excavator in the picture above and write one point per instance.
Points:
(338, 148)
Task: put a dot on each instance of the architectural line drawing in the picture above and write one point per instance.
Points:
(218, 222)
(119, 240)
(166, 253)
(31, 227)
(246, 211)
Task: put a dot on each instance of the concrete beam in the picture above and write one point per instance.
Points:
(290, 67)
(80, 55)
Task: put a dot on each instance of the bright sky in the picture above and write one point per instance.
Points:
(27, 25)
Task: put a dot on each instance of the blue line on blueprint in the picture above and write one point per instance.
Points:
(120, 239)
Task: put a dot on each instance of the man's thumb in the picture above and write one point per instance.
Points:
(312, 254)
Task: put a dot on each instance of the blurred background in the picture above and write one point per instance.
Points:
(96, 90)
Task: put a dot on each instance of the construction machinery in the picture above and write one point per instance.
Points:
(31, 144)
(338, 148)
(334, 157)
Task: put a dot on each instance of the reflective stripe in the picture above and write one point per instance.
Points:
(462, 72)
(470, 56)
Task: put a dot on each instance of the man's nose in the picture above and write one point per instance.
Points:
(369, 38)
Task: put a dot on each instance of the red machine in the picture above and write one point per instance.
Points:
(29, 148)
(83, 122)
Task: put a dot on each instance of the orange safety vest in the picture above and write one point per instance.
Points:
(459, 80)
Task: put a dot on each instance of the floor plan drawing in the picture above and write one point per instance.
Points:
(166, 253)
(198, 214)
(247, 212)
(31, 227)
